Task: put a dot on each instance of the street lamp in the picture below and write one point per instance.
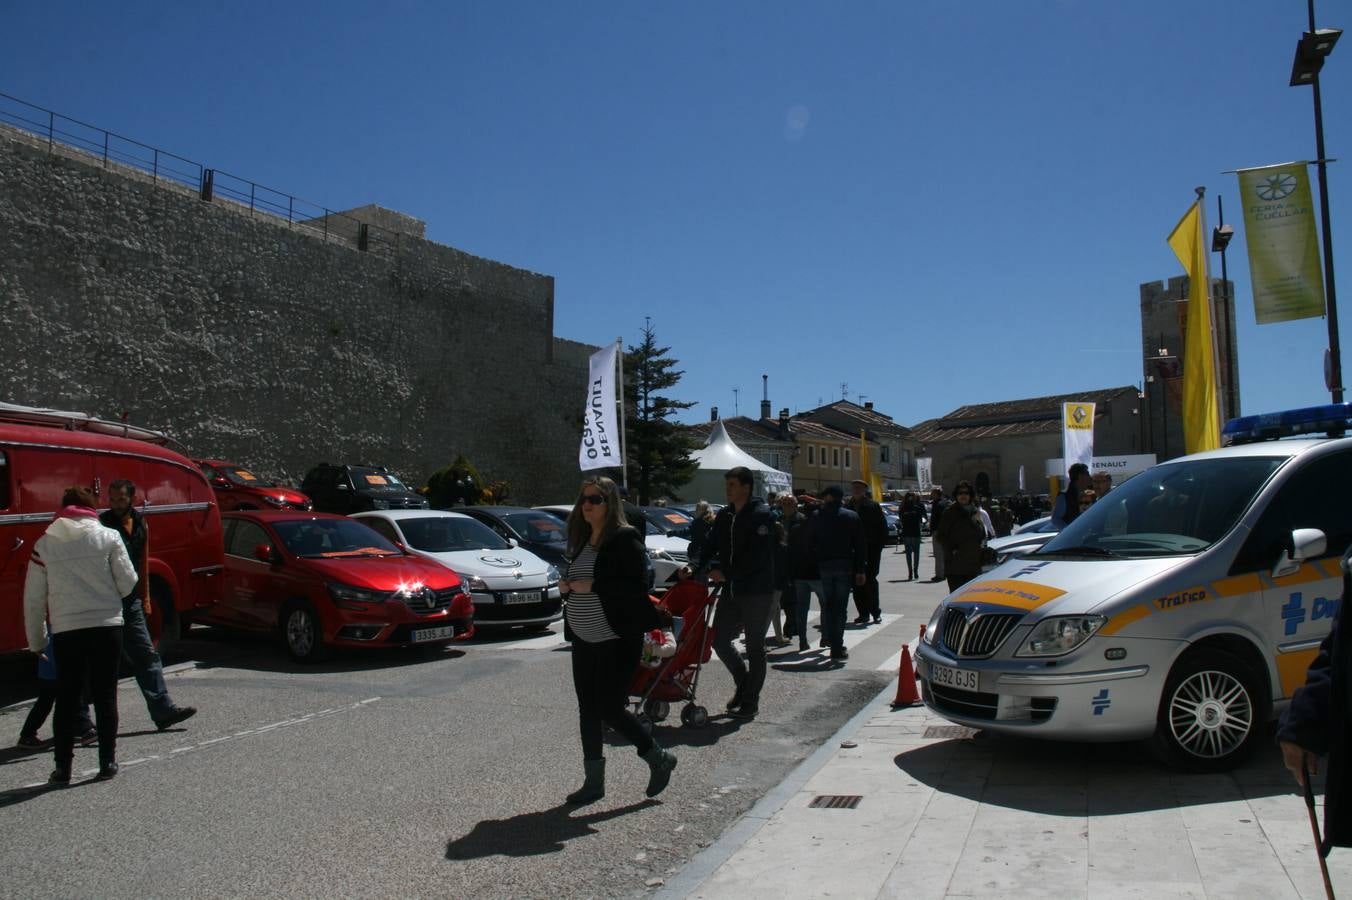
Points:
(1315, 45)
(1220, 239)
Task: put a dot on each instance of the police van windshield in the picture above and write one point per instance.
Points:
(1170, 510)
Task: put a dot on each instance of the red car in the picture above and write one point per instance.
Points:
(238, 488)
(321, 580)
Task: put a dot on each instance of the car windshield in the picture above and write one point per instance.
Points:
(241, 477)
(1172, 509)
(667, 521)
(449, 534)
(332, 539)
(539, 527)
(377, 481)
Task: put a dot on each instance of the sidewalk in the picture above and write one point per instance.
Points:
(943, 812)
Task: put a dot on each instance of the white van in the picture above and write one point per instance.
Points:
(1185, 604)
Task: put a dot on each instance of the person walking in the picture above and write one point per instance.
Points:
(866, 599)
(700, 529)
(800, 567)
(836, 537)
(910, 519)
(743, 558)
(138, 650)
(962, 533)
(607, 614)
(1067, 506)
(77, 576)
(937, 506)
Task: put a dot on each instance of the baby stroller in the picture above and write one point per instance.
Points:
(654, 690)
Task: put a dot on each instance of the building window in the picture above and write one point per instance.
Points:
(774, 460)
(835, 457)
(885, 453)
(847, 457)
(811, 455)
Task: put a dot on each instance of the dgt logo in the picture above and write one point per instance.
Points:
(1293, 611)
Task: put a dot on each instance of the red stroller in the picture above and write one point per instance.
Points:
(654, 690)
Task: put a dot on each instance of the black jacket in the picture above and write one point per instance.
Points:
(836, 535)
(743, 547)
(620, 580)
(801, 562)
(136, 543)
(874, 522)
(910, 520)
(1317, 720)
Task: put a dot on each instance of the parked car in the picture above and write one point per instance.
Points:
(540, 532)
(319, 581)
(508, 584)
(669, 521)
(238, 488)
(1186, 604)
(666, 554)
(42, 452)
(1018, 544)
(346, 489)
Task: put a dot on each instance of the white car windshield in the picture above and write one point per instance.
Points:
(1172, 509)
(450, 534)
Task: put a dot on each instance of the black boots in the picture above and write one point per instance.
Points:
(593, 786)
(660, 762)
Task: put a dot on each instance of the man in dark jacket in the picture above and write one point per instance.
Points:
(837, 539)
(138, 651)
(741, 556)
(1315, 724)
(937, 506)
(871, 516)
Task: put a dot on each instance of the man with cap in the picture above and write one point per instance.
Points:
(836, 537)
(875, 536)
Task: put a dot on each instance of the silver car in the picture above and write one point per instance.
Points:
(1185, 605)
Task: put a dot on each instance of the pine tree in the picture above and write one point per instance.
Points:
(658, 448)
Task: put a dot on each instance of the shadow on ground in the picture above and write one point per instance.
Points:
(534, 833)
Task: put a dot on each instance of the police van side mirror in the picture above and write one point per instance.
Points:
(1306, 543)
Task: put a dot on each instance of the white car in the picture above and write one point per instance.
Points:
(1020, 543)
(667, 554)
(1186, 604)
(509, 585)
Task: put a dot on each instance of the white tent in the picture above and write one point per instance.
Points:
(721, 453)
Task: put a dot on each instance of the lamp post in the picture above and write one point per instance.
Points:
(1220, 239)
(1314, 46)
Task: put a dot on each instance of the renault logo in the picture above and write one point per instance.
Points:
(429, 597)
(502, 562)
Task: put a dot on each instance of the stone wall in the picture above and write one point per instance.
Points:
(252, 340)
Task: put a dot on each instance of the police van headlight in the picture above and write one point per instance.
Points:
(932, 629)
(1060, 635)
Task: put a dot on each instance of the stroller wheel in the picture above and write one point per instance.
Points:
(645, 723)
(657, 710)
(694, 716)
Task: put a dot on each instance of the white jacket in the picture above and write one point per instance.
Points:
(78, 575)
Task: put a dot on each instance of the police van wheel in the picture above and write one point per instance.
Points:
(1209, 714)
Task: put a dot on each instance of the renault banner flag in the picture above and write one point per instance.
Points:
(600, 447)
(1284, 267)
(1077, 433)
(922, 473)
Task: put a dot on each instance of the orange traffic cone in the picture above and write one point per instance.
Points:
(906, 692)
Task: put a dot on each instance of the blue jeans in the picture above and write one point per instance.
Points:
(139, 654)
(803, 591)
(912, 545)
(836, 583)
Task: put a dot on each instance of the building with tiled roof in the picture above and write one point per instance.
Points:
(987, 443)
(892, 448)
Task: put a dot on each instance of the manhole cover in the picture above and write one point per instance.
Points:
(951, 732)
(835, 801)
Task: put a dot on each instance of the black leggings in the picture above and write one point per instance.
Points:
(92, 654)
(602, 673)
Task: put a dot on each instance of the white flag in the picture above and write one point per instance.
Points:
(922, 473)
(600, 447)
(1077, 433)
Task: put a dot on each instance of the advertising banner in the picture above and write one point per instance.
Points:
(600, 448)
(1077, 433)
(1288, 282)
(922, 473)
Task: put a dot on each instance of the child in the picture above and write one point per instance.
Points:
(85, 732)
(660, 643)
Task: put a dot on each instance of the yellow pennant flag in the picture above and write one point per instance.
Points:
(1201, 415)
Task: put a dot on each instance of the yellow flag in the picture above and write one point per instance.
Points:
(1201, 417)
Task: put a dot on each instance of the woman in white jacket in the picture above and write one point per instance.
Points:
(77, 577)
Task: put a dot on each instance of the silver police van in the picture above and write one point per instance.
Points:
(1185, 604)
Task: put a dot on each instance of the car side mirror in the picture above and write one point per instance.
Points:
(1306, 543)
(220, 481)
(265, 553)
(514, 542)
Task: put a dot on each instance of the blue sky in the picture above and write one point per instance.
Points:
(936, 203)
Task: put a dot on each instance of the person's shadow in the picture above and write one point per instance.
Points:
(534, 833)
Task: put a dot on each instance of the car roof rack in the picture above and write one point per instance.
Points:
(78, 421)
(1332, 419)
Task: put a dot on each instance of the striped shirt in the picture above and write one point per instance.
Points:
(586, 618)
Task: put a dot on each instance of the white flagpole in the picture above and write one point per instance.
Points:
(624, 444)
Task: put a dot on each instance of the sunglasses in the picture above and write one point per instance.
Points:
(593, 499)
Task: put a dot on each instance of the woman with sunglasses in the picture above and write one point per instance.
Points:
(608, 613)
(962, 532)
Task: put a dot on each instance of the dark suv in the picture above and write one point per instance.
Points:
(356, 488)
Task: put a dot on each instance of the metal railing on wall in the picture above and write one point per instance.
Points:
(211, 185)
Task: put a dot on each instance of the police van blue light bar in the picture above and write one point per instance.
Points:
(1334, 420)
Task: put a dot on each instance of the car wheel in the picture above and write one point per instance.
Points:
(657, 710)
(1209, 714)
(694, 716)
(302, 633)
(164, 622)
